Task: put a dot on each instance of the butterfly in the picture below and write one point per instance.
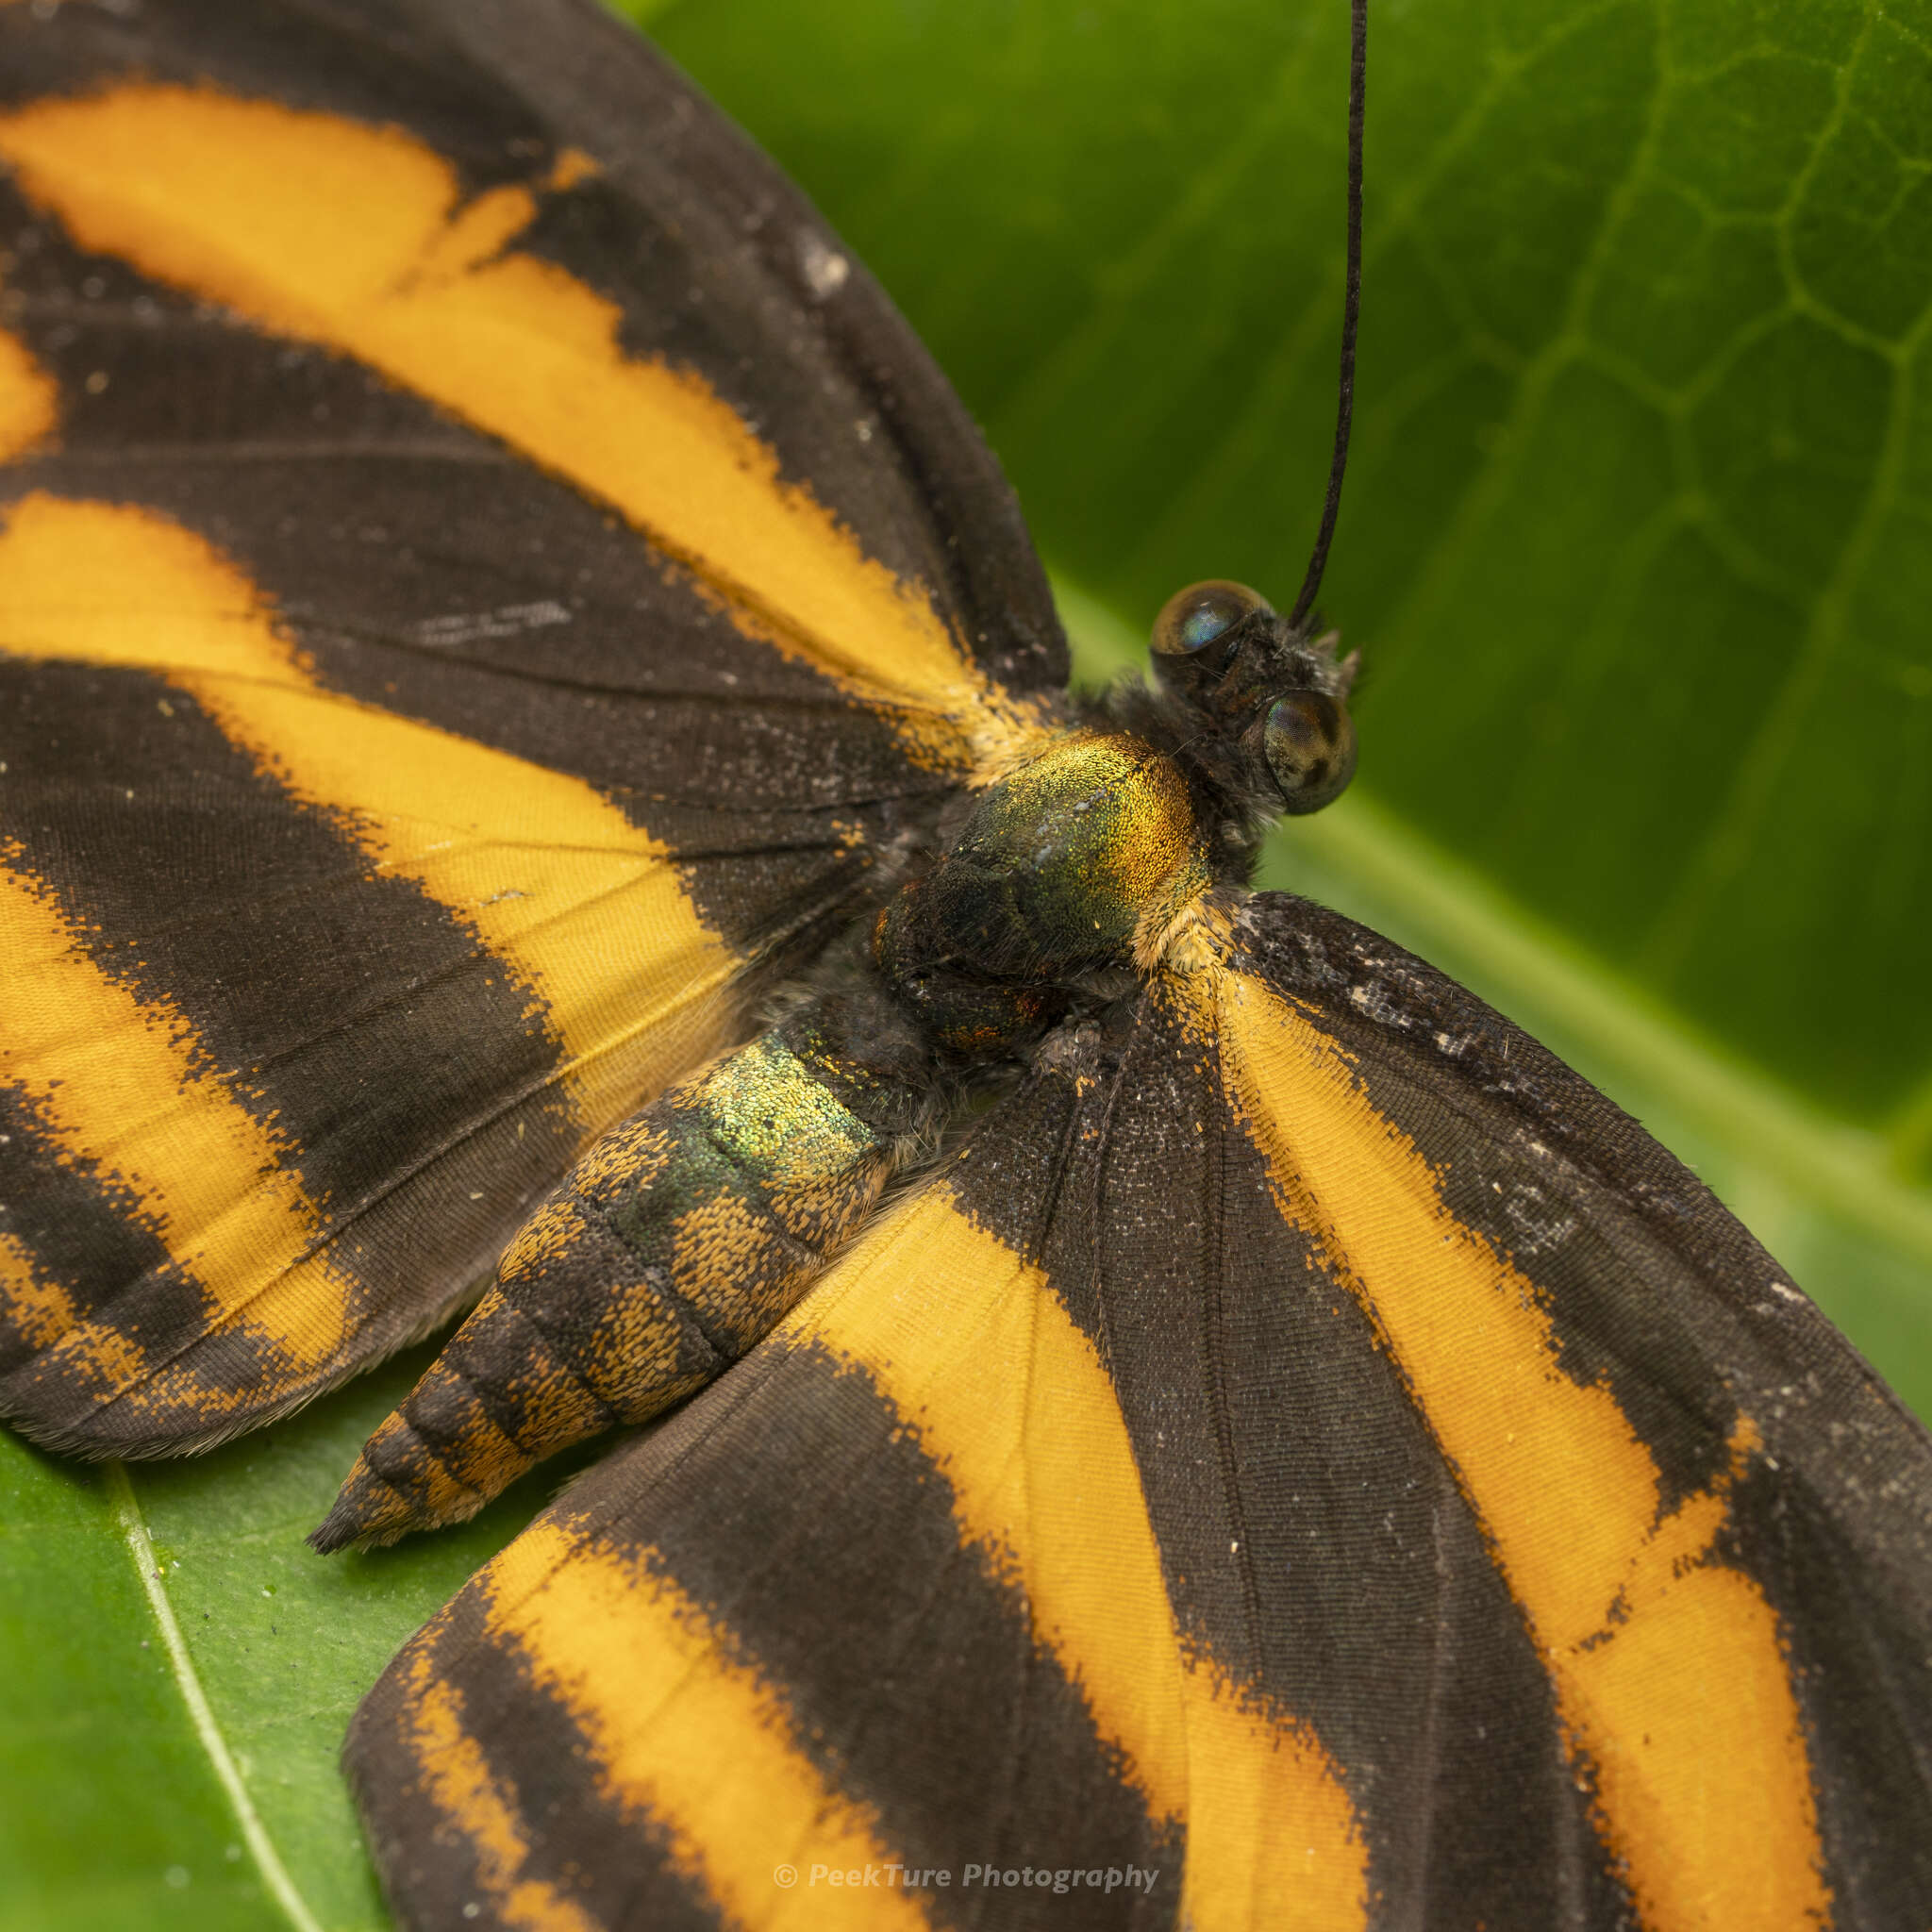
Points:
(537, 750)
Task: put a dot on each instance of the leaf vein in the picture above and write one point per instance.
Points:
(133, 1527)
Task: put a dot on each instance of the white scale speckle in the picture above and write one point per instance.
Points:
(506, 621)
(1375, 1004)
(826, 269)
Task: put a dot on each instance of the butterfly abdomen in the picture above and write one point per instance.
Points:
(670, 1249)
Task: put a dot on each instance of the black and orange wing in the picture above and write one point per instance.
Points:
(1308, 1451)
(485, 584)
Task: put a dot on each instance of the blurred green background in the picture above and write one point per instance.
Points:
(1635, 545)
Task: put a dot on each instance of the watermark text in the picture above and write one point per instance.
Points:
(895, 1877)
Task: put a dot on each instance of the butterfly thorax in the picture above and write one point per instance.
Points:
(1053, 876)
(1077, 860)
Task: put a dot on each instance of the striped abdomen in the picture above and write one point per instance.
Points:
(670, 1249)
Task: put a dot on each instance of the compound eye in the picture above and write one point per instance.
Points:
(1193, 619)
(1311, 746)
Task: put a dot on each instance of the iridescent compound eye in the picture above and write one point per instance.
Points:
(1193, 619)
(1310, 747)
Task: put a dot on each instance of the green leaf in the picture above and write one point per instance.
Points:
(1635, 544)
(177, 1669)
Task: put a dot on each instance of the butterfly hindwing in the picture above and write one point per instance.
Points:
(438, 670)
(1396, 1492)
(883, 1599)
(1713, 1518)
(1322, 1567)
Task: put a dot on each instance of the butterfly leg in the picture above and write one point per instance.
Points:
(669, 1250)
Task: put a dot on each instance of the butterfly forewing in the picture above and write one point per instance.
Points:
(407, 765)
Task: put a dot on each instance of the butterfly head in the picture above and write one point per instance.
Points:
(1278, 699)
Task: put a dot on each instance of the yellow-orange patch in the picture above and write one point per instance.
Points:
(117, 1083)
(1009, 1399)
(684, 1732)
(29, 400)
(357, 237)
(461, 1781)
(1667, 1664)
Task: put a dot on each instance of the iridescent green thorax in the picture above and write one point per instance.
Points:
(1049, 878)
(1070, 847)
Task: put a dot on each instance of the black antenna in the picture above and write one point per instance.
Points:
(1351, 309)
